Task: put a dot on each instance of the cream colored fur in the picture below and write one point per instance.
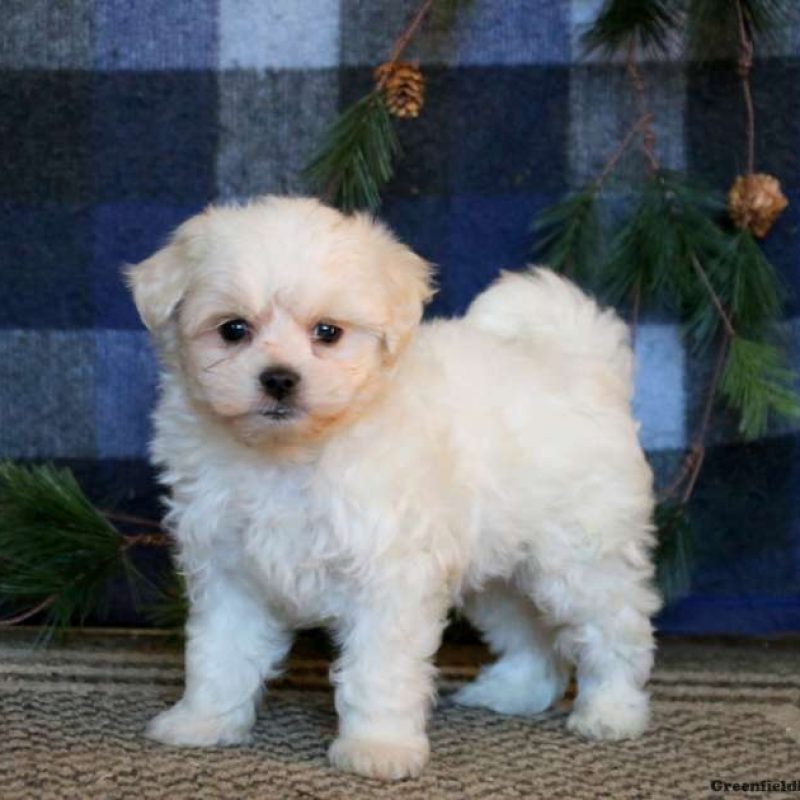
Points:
(489, 463)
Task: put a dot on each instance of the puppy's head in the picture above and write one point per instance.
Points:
(282, 317)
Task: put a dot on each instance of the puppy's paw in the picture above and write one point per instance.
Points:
(183, 727)
(505, 700)
(611, 715)
(380, 758)
(514, 689)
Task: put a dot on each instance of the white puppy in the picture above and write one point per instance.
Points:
(332, 461)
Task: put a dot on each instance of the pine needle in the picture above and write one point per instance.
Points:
(55, 547)
(444, 13)
(757, 383)
(671, 226)
(674, 252)
(747, 286)
(357, 156)
(674, 552)
(713, 29)
(172, 607)
(621, 24)
(570, 236)
(756, 292)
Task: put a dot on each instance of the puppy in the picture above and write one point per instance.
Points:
(334, 462)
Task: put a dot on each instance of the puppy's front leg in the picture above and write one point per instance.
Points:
(384, 679)
(233, 646)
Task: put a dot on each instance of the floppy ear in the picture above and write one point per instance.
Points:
(409, 280)
(159, 282)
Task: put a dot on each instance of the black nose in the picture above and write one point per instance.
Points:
(279, 382)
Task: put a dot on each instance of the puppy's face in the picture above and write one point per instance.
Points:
(282, 317)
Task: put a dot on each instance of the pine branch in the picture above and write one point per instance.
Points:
(23, 616)
(570, 236)
(756, 293)
(358, 153)
(669, 227)
(408, 32)
(714, 27)
(58, 553)
(745, 67)
(721, 314)
(758, 384)
(642, 24)
(671, 249)
(721, 284)
(686, 479)
(646, 116)
(674, 552)
(615, 157)
(172, 607)
(672, 252)
(632, 27)
(747, 294)
(357, 157)
(117, 516)
(746, 284)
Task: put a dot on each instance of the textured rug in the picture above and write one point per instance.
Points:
(71, 718)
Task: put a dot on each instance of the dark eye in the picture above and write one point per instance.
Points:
(234, 330)
(326, 333)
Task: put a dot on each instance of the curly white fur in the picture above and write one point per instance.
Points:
(489, 462)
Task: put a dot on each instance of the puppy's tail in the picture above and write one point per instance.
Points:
(541, 307)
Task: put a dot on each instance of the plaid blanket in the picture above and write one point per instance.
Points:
(118, 119)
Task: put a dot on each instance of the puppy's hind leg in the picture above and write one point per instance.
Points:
(603, 611)
(528, 676)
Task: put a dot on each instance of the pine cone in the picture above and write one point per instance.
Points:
(403, 87)
(755, 201)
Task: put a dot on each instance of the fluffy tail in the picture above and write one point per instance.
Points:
(539, 306)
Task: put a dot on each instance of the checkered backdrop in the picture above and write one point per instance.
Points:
(119, 118)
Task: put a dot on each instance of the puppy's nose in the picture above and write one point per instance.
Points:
(279, 382)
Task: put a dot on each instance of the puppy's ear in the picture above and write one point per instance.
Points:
(409, 281)
(159, 282)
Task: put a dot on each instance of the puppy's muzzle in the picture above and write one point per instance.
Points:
(279, 382)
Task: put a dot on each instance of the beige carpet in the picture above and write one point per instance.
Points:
(71, 720)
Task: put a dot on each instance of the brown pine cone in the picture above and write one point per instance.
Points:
(755, 201)
(403, 87)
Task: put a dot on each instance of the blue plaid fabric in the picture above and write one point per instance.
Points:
(119, 119)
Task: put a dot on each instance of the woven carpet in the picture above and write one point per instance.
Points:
(71, 718)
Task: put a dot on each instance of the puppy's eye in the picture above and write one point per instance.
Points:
(234, 330)
(326, 333)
